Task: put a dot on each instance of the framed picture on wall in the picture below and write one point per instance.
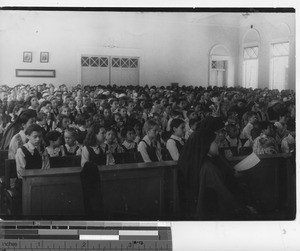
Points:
(44, 57)
(27, 56)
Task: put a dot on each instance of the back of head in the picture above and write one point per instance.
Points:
(212, 123)
(26, 115)
(52, 136)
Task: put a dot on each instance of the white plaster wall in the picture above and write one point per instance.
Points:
(170, 49)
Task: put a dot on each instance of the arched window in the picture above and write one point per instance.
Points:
(279, 61)
(250, 58)
(219, 66)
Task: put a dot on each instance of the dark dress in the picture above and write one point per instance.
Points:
(98, 159)
(151, 150)
(207, 186)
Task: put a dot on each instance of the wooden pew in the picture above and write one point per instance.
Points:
(65, 161)
(130, 191)
(269, 182)
(146, 191)
(55, 191)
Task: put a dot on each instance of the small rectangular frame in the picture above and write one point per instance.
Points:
(44, 57)
(32, 73)
(27, 57)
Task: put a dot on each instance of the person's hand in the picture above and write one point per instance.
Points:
(237, 174)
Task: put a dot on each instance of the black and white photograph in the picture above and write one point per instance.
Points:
(148, 114)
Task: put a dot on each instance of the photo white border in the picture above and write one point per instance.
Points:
(281, 235)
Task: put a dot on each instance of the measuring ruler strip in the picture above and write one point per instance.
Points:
(85, 245)
(35, 236)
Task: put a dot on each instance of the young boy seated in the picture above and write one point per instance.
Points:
(25, 119)
(32, 155)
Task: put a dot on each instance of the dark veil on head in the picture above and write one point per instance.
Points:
(193, 154)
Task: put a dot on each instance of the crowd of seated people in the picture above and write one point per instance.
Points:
(104, 124)
(154, 121)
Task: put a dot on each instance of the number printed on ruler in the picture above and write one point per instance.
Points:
(50, 245)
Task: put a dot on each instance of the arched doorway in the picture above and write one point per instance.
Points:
(219, 66)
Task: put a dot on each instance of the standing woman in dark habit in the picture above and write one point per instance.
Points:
(207, 185)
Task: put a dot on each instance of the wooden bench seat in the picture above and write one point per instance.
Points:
(136, 189)
(147, 191)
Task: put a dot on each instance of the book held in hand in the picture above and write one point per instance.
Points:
(247, 163)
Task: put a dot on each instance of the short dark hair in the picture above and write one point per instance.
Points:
(176, 123)
(215, 94)
(255, 132)
(125, 131)
(26, 115)
(193, 122)
(53, 135)
(80, 119)
(33, 128)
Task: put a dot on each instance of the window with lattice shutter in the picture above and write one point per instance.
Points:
(214, 64)
(94, 61)
(116, 62)
(133, 63)
(218, 65)
(125, 62)
(103, 62)
(85, 61)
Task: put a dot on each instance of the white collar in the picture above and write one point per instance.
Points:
(30, 146)
(176, 137)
